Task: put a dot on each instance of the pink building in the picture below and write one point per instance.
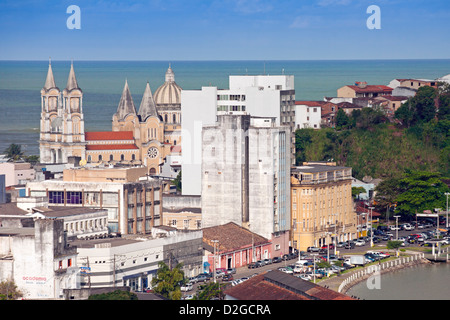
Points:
(17, 173)
(234, 246)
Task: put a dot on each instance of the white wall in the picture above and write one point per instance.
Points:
(302, 112)
(198, 108)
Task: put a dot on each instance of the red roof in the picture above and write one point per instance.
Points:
(310, 103)
(111, 147)
(371, 88)
(109, 135)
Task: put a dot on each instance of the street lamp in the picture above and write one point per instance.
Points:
(314, 258)
(214, 269)
(335, 232)
(446, 223)
(396, 226)
(371, 231)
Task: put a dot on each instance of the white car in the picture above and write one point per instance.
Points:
(408, 227)
(304, 277)
(359, 243)
(393, 228)
(187, 287)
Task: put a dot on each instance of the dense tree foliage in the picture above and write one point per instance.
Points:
(14, 152)
(115, 295)
(167, 281)
(9, 291)
(420, 191)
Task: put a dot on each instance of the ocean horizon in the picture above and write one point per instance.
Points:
(102, 83)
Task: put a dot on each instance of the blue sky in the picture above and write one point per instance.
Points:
(224, 30)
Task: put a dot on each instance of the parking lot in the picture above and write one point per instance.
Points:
(288, 263)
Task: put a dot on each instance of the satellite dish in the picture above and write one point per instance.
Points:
(82, 162)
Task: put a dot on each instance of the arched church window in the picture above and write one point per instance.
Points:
(111, 157)
(122, 157)
(100, 158)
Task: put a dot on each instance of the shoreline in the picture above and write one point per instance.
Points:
(335, 282)
(350, 285)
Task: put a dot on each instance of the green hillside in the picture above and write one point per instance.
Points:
(373, 146)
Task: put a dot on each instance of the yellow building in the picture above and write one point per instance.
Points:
(322, 210)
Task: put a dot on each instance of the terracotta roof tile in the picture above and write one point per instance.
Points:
(231, 236)
(109, 135)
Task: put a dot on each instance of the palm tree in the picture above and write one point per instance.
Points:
(14, 152)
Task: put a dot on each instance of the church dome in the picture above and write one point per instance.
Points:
(170, 92)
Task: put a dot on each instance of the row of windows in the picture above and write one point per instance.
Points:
(111, 157)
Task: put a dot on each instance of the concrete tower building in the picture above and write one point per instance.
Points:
(245, 176)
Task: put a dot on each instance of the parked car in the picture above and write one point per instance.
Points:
(276, 260)
(268, 261)
(313, 249)
(252, 265)
(260, 263)
(350, 245)
(304, 277)
(231, 270)
(340, 244)
(408, 227)
(203, 277)
(360, 243)
(193, 279)
(187, 287)
(228, 277)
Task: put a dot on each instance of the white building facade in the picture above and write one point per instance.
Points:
(308, 116)
(133, 262)
(259, 96)
(39, 260)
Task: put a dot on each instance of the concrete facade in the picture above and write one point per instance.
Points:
(39, 259)
(321, 204)
(245, 170)
(133, 261)
(17, 173)
(260, 96)
(308, 115)
(133, 207)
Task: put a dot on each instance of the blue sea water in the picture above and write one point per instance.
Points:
(102, 84)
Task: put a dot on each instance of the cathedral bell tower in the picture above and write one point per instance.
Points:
(62, 120)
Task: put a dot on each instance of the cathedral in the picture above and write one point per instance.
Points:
(143, 137)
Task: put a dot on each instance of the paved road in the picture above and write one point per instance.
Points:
(245, 272)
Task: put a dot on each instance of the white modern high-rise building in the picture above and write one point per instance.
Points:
(259, 95)
(246, 174)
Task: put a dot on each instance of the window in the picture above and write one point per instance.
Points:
(74, 197)
(122, 157)
(69, 262)
(100, 158)
(56, 197)
(111, 157)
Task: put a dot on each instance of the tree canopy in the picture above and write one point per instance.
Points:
(420, 191)
(167, 281)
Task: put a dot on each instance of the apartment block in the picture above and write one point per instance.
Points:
(322, 205)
